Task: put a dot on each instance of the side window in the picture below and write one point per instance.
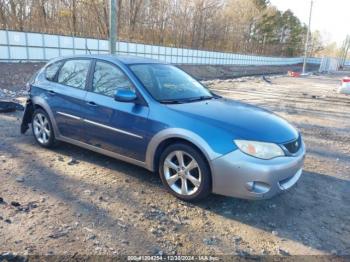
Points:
(108, 78)
(51, 70)
(74, 72)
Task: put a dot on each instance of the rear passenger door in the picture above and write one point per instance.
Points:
(119, 127)
(68, 97)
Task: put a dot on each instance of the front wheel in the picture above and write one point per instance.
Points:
(184, 172)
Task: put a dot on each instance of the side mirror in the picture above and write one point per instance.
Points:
(125, 95)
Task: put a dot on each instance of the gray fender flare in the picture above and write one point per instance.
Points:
(182, 134)
(39, 101)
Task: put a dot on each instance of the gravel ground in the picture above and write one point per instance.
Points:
(72, 201)
(13, 76)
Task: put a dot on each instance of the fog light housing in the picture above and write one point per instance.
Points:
(258, 187)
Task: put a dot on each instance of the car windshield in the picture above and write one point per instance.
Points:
(169, 84)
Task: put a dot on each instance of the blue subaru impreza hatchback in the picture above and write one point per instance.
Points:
(158, 117)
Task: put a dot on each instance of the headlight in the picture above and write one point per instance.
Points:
(259, 149)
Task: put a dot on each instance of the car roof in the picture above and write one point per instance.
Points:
(125, 59)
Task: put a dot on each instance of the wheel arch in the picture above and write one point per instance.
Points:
(169, 136)
(39, 102)
(38, 107)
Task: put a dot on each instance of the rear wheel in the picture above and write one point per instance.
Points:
(42, 129)
(184, 172)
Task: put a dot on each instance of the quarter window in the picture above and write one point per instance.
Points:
(108, 78)
(74, 72)
(52, 69)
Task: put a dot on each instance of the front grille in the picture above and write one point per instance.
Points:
(293, 146)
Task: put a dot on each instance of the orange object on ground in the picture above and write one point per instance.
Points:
(293, 74)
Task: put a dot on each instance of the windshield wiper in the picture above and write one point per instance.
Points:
(200, 98)
(186, 100)
(171, 101)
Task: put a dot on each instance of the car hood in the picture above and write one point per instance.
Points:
(244, 121)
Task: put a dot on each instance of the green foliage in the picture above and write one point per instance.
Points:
(280, 28)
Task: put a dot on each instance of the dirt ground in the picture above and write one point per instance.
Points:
(73, 201)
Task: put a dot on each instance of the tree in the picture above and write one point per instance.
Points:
(243, 26)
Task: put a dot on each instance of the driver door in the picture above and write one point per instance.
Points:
(119, 127)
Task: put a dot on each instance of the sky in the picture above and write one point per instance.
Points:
(330, 17)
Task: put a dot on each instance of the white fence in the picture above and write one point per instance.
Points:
(329, 65)
(18, 46)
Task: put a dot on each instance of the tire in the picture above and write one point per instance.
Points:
(188, 182)
(42, 129)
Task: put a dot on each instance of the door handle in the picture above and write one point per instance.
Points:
(91, 103)
(51, 92)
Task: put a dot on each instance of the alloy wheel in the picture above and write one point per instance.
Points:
(41, 128)
(182, 173)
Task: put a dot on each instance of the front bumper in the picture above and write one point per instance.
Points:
(239, 175)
